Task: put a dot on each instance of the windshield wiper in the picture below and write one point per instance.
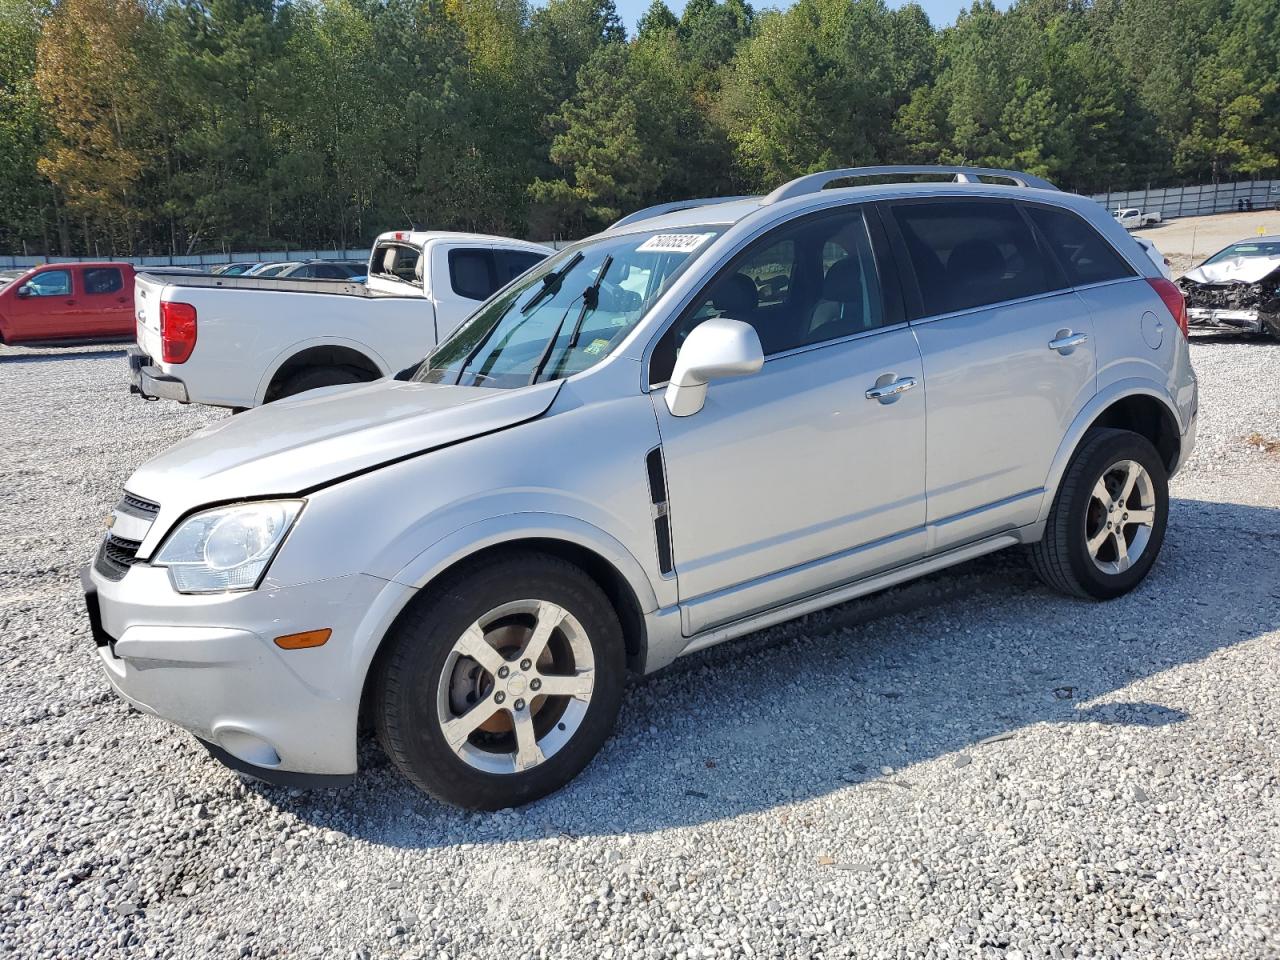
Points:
(590, 300)
(551, 283)
(550, 286)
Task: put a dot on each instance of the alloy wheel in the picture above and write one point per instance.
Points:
(515, 686)
(1120, 516)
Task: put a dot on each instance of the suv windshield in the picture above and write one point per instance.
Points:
(566, 315)
(1249, 249)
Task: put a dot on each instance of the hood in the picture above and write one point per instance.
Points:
(1239, 270)
(294, 445)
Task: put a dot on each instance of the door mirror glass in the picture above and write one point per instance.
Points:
(25, 290)
(715, 349)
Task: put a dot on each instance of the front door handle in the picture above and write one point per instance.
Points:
(1066, 341)
(887, 391)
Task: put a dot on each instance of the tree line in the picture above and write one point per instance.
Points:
(177, 126)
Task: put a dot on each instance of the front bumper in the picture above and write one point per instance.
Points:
(151, 382)
(208, 664)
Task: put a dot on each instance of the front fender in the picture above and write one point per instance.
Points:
(1085, 419)
(512, 527)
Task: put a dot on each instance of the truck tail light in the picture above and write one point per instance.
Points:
(1173, 299)
(177, 331)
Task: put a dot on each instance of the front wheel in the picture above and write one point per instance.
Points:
(1108, 520)
(502, 683)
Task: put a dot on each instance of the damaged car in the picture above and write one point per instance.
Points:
(1237, 288)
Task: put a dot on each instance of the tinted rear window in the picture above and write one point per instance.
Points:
(969, 253)
(102, 280)
(470, 274)
(1083, 253)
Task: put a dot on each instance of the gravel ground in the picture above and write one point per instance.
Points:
(969, 766)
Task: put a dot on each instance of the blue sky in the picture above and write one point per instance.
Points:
(941, 12)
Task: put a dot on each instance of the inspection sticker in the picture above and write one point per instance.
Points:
(674, 242)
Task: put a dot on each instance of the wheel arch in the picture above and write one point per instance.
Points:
(318, 354)
(1140, 407)
(1143, 414)
(627, 598)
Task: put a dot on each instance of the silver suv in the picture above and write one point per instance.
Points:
(714, 416)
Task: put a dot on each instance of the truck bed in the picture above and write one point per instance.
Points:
(342, 288)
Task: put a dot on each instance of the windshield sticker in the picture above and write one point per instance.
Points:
(596, 347)
(674, 242)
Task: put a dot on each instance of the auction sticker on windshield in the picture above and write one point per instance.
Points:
(674, 242)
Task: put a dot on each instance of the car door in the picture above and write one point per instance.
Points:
(45, 307)
(1007, 355)
(797, 478)
(106, 306)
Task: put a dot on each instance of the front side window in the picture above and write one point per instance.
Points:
(103, 280)
(970, 253)
(51, 283)
(803, 284)
(568, 313)
(512, 263)
(1081, 250)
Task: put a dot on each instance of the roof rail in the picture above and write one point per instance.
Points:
(658, 210)
(817, 181)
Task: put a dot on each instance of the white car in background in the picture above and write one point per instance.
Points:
(1131, 218)
(242, 341)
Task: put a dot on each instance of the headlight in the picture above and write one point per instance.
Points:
(228, 548)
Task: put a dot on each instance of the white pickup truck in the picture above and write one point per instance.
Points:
(1131, 218)
(243, 341)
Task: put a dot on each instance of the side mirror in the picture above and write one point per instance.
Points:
(24, 290)
(715, 349)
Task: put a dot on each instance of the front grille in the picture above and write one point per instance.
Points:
(116, 556)
(138, 507)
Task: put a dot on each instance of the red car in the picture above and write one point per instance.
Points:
(68, 302)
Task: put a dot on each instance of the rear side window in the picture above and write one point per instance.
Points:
(970, 253)
(512, 263)
(471, 274)
(103, 280)
(1083, 253)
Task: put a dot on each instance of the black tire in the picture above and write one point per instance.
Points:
(1062, 559)
(313, 378)
(417, 651)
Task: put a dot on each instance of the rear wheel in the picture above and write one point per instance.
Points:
(500, 685)
(1108, 520)
(316, 377)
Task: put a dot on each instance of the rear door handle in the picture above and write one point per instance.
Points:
(1066, 340)
(888, 391)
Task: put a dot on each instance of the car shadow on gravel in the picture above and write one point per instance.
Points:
(81, 353)
(955, 664)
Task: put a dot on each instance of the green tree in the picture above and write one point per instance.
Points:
(25, 196)
(813, 89)
(96, 84)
